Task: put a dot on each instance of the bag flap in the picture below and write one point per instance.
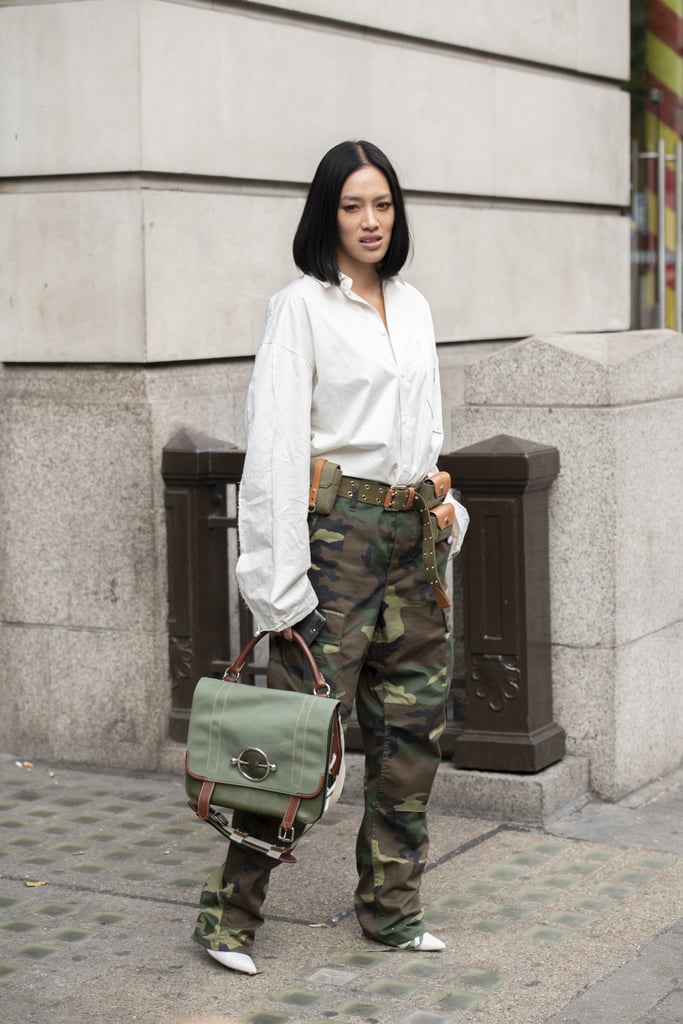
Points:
(259, 738)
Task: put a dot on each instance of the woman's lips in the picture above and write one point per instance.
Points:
(372, 243)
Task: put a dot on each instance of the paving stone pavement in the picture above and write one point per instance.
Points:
(578, 922)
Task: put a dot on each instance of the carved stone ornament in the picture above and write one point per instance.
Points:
(496, 679)
(180, 655)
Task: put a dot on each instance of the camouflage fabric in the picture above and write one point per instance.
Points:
(232, 897)
(386, 645)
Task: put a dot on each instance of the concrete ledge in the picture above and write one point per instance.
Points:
(535, 799)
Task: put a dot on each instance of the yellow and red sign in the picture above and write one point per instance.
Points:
(664, 120)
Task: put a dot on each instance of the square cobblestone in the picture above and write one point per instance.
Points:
(360, 1008)
(482, 888)
(595, 903)
(70, 847)
(506, 873)
(558, 881)
(599, 854)
(26, 841)
(579, 867)
(654, 861)
(56, 909)
(455, 999)
(551, 847)
(362, 958)
(481, 977)
(329, 976)
(393, 987)
(489, 925)
(70, 935)
(266, 1017)
(547, 934)
(18, 925)
(572, 918)
(541, 896)
(456, 901)
(298, 997)
(434, 918)
(513, 910)
(36, 951)
(421, 969)
(634, 877)
(615, 891)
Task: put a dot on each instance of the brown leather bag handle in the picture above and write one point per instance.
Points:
(320, 687)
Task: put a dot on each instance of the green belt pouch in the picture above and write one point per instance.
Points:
(325, 480)
(434, 489)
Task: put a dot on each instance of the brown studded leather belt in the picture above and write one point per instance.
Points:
(427, 498)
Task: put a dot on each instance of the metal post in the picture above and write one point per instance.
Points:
(196, 469)
(635, 252)
(504, 482)
(678, 185)
(661, 234)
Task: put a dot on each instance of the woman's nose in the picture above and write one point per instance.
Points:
(369, 217)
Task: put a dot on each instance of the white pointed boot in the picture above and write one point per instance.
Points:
(234, 961)
(425, 943)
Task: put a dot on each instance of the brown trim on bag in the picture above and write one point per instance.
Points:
(204, 799)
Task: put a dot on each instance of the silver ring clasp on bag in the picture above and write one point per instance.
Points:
(252, 763)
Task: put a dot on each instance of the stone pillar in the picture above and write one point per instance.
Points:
(613, 406)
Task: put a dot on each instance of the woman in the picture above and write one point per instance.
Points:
(347, 372)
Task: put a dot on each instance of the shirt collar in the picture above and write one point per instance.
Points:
(345, 283)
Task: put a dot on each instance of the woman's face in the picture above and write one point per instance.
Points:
(365, 219)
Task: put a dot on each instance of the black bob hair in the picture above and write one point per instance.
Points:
(315, 241)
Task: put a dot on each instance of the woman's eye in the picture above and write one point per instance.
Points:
(383, 206)
(350, 209)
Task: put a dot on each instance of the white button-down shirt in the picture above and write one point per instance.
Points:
(329, 380)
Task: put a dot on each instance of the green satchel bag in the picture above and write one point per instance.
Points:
(277, 753)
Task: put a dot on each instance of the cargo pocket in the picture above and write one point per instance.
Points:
(326, 650)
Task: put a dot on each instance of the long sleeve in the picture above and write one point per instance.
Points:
(274, 545)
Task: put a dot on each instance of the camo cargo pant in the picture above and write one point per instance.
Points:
(386, 645)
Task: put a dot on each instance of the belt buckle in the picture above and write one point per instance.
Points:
(408, 493)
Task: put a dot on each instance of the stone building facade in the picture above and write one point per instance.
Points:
(154, 156)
